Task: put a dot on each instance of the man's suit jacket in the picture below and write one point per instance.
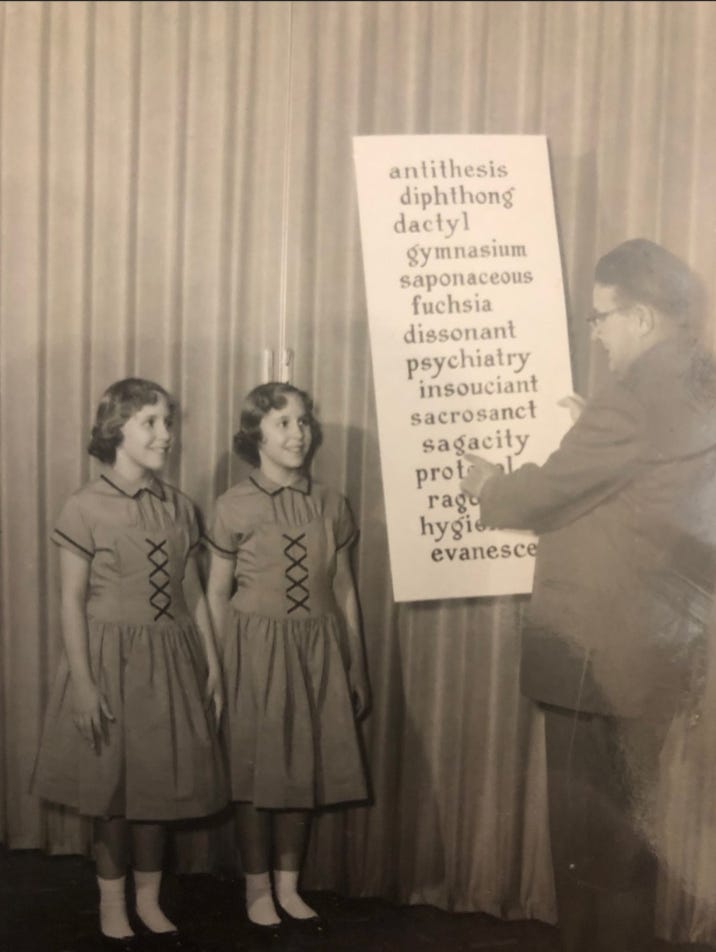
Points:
(626, 513)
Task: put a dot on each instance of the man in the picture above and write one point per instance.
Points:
(625, 510)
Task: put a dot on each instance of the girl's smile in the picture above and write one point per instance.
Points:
(285, 440)
(147, 439)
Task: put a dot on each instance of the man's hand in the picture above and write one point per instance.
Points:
(478, 474)
(574, 403)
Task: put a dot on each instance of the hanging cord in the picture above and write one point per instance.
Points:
(285, 200)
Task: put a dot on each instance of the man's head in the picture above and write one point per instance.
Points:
(642, 294)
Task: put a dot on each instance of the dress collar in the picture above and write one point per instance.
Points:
(132, 489)
(259, 479)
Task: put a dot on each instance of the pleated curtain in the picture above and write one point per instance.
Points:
(177, 201)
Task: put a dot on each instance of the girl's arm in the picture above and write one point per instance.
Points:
(218, 592)
(90, 707)
(345, 593)
(194, 594)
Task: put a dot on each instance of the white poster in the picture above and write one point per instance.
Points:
(469, 344)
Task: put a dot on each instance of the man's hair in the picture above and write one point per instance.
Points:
(647, 273)
(118, 403)
(260, 401)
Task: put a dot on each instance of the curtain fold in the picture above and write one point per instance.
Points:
(176, 200)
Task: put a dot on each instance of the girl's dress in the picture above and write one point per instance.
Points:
(160, 758)
(291, 732)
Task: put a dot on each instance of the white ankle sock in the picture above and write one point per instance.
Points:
(113, 919)
(286, 885)
(146, 889)
(260, 907)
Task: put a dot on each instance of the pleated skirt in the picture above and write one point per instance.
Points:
(290, 732)
(160, 758)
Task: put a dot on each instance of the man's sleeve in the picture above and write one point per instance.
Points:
(601, 453)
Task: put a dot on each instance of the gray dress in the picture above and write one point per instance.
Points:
(160, 758)
(290, 729)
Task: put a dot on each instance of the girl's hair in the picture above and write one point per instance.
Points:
(262, 399)
(120, 402)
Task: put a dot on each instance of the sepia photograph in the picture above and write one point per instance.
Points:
(357, 475)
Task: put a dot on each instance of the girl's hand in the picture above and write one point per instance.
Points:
(215, 693)
(346, 597)
(196, 600)
(91, 712)
(360, 694)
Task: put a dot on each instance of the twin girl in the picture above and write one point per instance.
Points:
(169, 702)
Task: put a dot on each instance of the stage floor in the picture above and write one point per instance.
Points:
(49, 904)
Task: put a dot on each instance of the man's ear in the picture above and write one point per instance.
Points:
(646, 318)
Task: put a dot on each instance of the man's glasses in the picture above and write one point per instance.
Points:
(595, 318)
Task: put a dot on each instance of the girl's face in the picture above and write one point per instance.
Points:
(285, 440)
(147, 439)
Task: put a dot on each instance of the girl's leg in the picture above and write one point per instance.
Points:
(111, 853)
(253, 829)
(291, 835)
(148, 855)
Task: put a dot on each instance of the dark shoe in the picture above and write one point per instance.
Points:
(314, 925)
(265, 937)
(169, 942)
(129, 943)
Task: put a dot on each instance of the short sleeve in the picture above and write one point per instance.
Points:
(192, 524)
(345, 528)
(223, 539)
(72, 531)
